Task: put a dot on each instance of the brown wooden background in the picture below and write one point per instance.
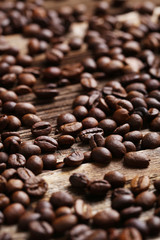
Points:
(58, 179)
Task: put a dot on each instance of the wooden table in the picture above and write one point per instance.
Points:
(58, 179)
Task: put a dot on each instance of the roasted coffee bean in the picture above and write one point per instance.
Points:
(4, 201)
(130, 233)
(47, 214)
(75, 43)
(79, 180)
(130, 146)
(41, 128)
(24, 173)
(140, 184)
(24, 108)
(8, 96)
(24, 60)
(41, 204)
(30, 119)
(54, 56)
(153, 225)
(140, 225)
(88, 82)
(89, 64)
(66, 141)
(121, 116)
(151, 140)
(59, 199)
(157, 184)
(135, 121)
(101, 155)
(106, 218)
(13, 123)
(71, 128)
(89, 122)
(4, 122)
(136, 160)
(26, 79)
(81, 100)
(98, 187)
(16, 160)
(122, 130)
(8, 80)
(115, 178)
(4, 135)
(65, 118)
(96, 141)
(117, 148)
(9, 173)
(46, 93)
(36, 186)
(74, 159)
(97, 113)
(72, 71)
(12, 144)
(121, 191)
(61, 211)
(78, 231)
(8, 107)
(51, 73)
(47, 144)
(14, 185)
(49, 161)
(20, 197)
(154, 125)
(80, 112)
(26, 219)
(3, 184)
(108, 125)
(145, 199)
(40, 229)
(28, 149)
(122, 201)
(13, 212)
(82, 210)
(133, 136)
(64, 223)
(131, 212)
(86, 134)
(35, 164)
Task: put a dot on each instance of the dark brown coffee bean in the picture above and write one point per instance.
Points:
(136, 160)
(135, 121)
(64, 223)
(115, 178)
(140, 184)
(131, 212)
(13, 123)
(117, 148)
(36, 186)
(41, 128)
(145, 199)
(72, 71)
(4, 122)
(89, 64)
(8, 96)
(108, 125)
(89, 122)
(86, 134)
(4, 135)
(20, 197)
(101, 155)
(88, 82)
(40, 229)
(75, 43)
(121, 115)
(81, 100)
(106, 218)
(154, 125)
(28, 149)
(46, 93)
(130, 233)
(140, 225)
(12, 144)
(16, 69)
(14, 185)
(8, 107)
(9, 173)
(80, 112)
(98, 188)
(61, 211)
(66, 141)
(41, 204)
(26, 219)
(65, 118)
(47, 144)
(47, 214)
(97, 113)
(79, 180)
(24, 108)
(27, 79)
(3, 184)
(71, 128)
(35, 164)
(74, 159)
(4, 201)
(78, 231)
(8, 80)
(153, 225)
(82, 210)
(16, 160)
(30, 119)
(51, 73)
(122, 201)
(24, 173)
(59, 199)
(49, 161)
(24, 60)
(133, 136)
(54, 56)
(130, 146)
(96, 140)
(151, 140)
(13, 212)
(122, 130)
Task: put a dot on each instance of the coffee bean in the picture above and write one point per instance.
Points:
(122, 130)
(135, 122)
(24, 108)
(131, 212)
(78, 231)
(136, 160)
(28, 149)
(151, 140)
(86, 134)
(133, 136)
(8, 107)
(27, 79)
(41, 128)
(20, 197)
(108, 125)
(66, 141)
(82, 210)
(140, 184)
(54, 56)
(72, 71)
(130, 233)
(49, 161)
(145, 199)
(3, 184)
(9, 173)
(40, 229)
(61, 211)
(41, 204)
(35, 164)
(88, 82)
(27, 219)
(116, 147)
(97, 113)
(80, 112)
(89, 122)
(4, 201)
(14, 185)
(8, 96)
(13, 123)
(71, 128)
(64, 223)
(74, 159)
(121, 115)
(101, 155)
(36, 186)
(81, 100)
(4, 135)
(153, 225)
(46, 93)
(4, 122)
(65, 118)
(89, 64)
(154, 125)
(30, 119)
(139, 225)
(79, 180)
(47, 144)
(115, 178)
(106, 218)
(12, 144)
(59, 199)
(13, 212)
(122, 201)
(24, 173)
(98, 188)
(96, 140)
(16, 160)
(130, 146)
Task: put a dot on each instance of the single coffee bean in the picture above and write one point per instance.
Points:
(98, 187)
(59, 199)
(122, 201)
(88, 82)
(96, 140)
(28, 149)
(12, 144)
(130, 146)
(49, 161)
(4, 135)
(24, 173)
(66, 141)
(4, 201)
(115, 178)
(140, 184)
(97, 113)
(151, 140)
(22, 90)
(35, 164)
(20, 197)
(36, 186)
(24, 108)
(54, 56)
(79, 180)
(106, 218)
(61, 211)
(30, 119)
(121, 116)
(131, 212)
(3, 184)
(86, 134)
(117, 148)
(4, 122)
(82, 210)
(13, 123)
(13, 212)
(145, 199)
(14, 185)
(80, 100)
(26, 79)
(78, 231)
(153, 225)
(140, 225)
(16, 160)
(135, 121)
(64, 223)
(41, 128)
(41, 204)
(26, 219)
(122, 130)
(89, 122)
(8, 96)
(136, 160)
(130, 233)
(9, 173)
(101, 155)
(71, 128)
(74, 159)
(65, 118)
(47, 144)
(8, 107)
(133, 136)
(40, 230)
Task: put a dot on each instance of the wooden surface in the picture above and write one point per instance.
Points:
(58, 179)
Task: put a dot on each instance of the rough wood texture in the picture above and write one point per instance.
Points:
(58, 180)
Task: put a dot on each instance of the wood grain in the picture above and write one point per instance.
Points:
(49, 111)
